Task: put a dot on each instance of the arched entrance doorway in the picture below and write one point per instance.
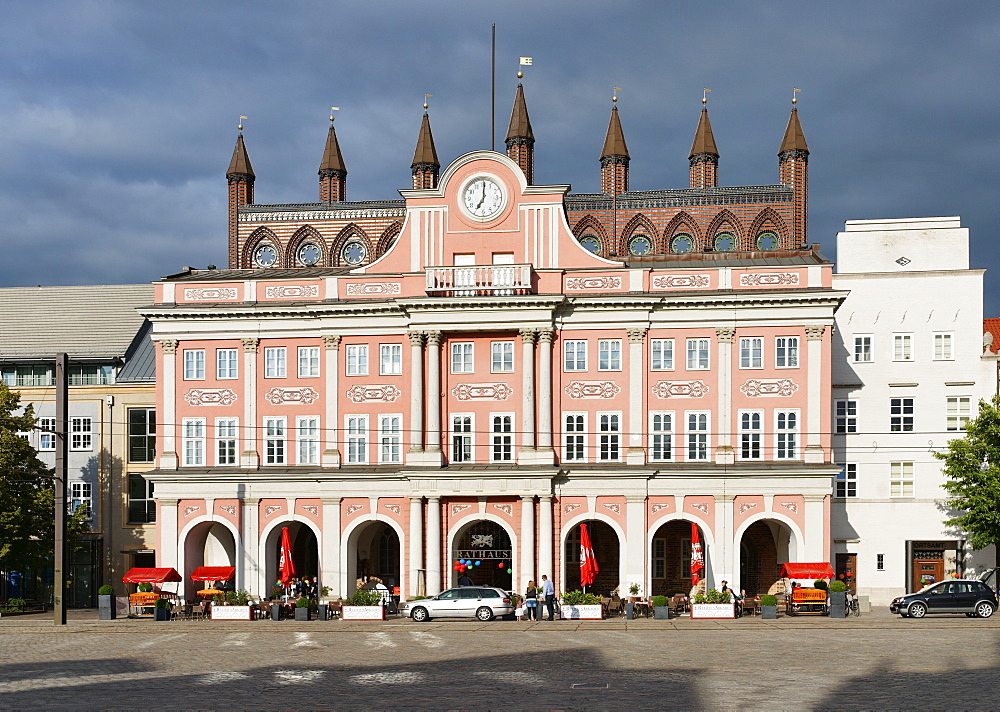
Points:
(373, 549)
(487, 545)
(206, 544)
(305, 552)
(764, 547)
(607, 551)
(670, 558)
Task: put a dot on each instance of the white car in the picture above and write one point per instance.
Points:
(482, 602)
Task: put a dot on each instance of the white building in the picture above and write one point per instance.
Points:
(908, 371)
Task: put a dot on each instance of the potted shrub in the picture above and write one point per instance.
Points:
(161, 610)
(106, 603)
(302, 609)
(768, 607)
(820, 584)
(363, 606)
(838, 599)
(661, 608)
(145, 587)
(235, 606)
(577, 605)
(712, 604)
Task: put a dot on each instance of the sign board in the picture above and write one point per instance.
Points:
(713, 610)
(588, 612)
(232, 613)
(363, 613)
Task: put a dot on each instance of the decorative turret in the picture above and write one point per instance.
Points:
(793, 171)
(332, 172)
(704, 158)
(425, 166)
(240, 177)
(520, 138)
(614, 157)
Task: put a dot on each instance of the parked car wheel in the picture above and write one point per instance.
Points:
(484, 614)
(420, 615)
(917, 610)
(984, 610)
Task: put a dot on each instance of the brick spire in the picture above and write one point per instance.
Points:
(240, 177)
(425, 166)
(793, 171)
(704, 157)
(520, 138)
(614, 157)
(332, 172)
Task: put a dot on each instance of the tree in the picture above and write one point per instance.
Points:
(972, 466)
(26, 492)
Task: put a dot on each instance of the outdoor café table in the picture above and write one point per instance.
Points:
(211, 593)
(643, 608)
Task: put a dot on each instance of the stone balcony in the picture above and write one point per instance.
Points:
(479, 280)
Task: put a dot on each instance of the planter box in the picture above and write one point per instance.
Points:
(362, 613)
(106, 607)
(838, 604)
(161, 614)
(583, 613)
(301, 614)
(713, 610)
(769, 613)
(232, 613)
(661, 613)
(275, 611)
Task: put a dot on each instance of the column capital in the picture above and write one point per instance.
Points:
(168, 502)
(725, 334)
(434, 338)
(527, 498)
(528, 336)
(815, 333)
(433, 500)
(331, 341)
(332, 500)
(416, 338)
(546, 336)
(545, 498)
(250, 345)
(636, 336)
(724, 498)
(419, 499)
(169, 346)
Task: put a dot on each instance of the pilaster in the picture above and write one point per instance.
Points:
(433, 555)
(526, 452)
(416, 429)
(415, 545)
(636, 453)
(168, 457)
(331, 351)
(545, 338)
(725, 561)
(725, 454)
(249, 457)
(814, 452)
(545, 561)
(526, 542)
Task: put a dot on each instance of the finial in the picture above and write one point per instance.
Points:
(704, 96)
(525, 62)
(426, 97)
(614, 97)
(332, 109)
(239, 127)
(795, 99)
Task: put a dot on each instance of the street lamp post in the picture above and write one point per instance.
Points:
(59, 486)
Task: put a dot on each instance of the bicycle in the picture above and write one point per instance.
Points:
(852, 605)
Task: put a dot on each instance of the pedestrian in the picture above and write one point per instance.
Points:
(314, 588)
(531, 601)
(549, 591)
(464, 580)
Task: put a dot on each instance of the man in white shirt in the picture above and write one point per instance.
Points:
(549, 591)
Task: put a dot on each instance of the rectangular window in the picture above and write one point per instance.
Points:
(461, 358)
(275, 439)
(901, 347)
(752, 353)
(575, 355)
(959, 412)
(226, 363)
(309, 362)
(846, 484)
(503, 438)
(845, 416)
(697, 354)
(697, 436)
(390, 359)
(91, 375)
(575, 437)
(81, 431)
(751, 431)
(194, 364)
(390, 433)
(659, 558)
(786, 352)
(307, 439)
(502, 359)
(461, 438)
(141, 434)
(942, 347)
(47, 440)
(900, 479)
(193, 441)
(357, 360)
(357, 439)
(610, 436)
(661, 354)
(786, 442)
(609, 355)
(274, 362)
(862, 349)
(880, 562)
(141, 505)
(18, 376)
(900, 415)
(225, 441)
(80, 497)
(661, 433)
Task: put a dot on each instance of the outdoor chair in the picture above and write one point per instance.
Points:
(678, 604)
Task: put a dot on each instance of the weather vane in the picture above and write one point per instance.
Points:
(795, 99)
(614, 97)
(704, 96)
(332, 109)
(239, 126)
(525, 62)
(426, 97)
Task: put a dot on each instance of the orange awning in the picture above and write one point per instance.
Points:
(820, 570)
(213, 573)
(151, 576)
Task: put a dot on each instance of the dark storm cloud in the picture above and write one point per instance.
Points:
(117, 120)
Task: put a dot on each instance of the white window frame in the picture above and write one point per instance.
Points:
(786, 434)
(845, 484)
(751, 425)
(80, 494)
(661, 354)
(864, 348)
(574, 355)
(461, 437)
(752, 352)
(275, 436)
(786, 352)
(609, 436)
(227, 441)
(390, 438)
(194, 364)
(275, 362)
(81, 432)
(502, 357)
(308, 359)
(502, 440)
(356, 360)
(227, 364)
(958, 412)
(463, 357)
(609, 354)
(574, 436)
(699, 354)
(845, 416)
(902, 347)
(193, 442)
(46, 440)
(356, 439)
(697, 440)
(661, 436)
(307, 436)
(390, 359)
(944, 346)
(901, 480)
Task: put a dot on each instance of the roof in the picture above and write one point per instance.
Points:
(520, 124)
(240, 165)
(425, 153)
(215, 275)
(817, 570)
(140, 358)
(332, 158)
(711, 260)
(704, 140)
(992, 327)
(82, 321)
(614, 142)
(794, 139)
(151, 576)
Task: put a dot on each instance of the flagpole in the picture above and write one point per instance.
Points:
(493, 86)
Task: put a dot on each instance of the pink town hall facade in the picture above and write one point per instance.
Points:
(482, 388)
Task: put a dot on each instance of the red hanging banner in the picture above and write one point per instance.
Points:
(697, 557)
(588, 562)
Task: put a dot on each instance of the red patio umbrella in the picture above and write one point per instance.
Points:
(588, 562)
(285, 565)
(697, 557)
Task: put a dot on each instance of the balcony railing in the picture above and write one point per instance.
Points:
(479, 280)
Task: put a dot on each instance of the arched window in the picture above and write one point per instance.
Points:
(309, 254)
(591, 243)
(354, 252)
(265, 255)
(639, 245)
(767, 241)
(725, 242)
(681, 243)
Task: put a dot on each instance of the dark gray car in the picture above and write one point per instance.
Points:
(973, 598)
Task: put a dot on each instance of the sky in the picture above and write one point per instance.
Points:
(118, 119)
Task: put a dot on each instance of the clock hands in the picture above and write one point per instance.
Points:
(482, 185)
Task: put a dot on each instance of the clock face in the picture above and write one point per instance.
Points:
(265, 256)
(483, 197)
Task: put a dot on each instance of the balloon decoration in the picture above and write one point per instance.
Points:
(478, 563)
(510, 571)
(500, 565)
